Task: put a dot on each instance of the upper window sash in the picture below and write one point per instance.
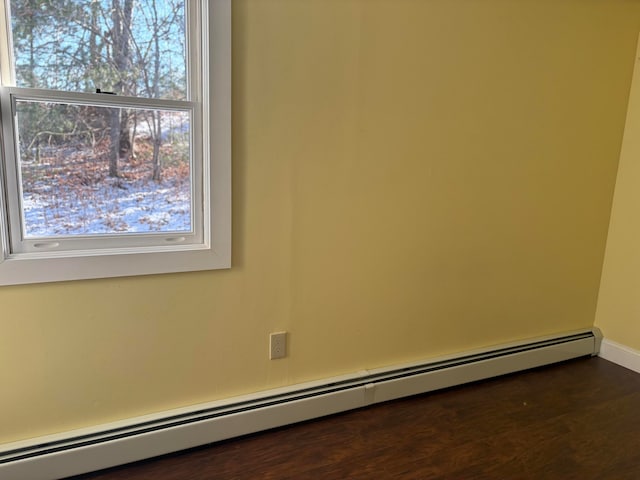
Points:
(195, 48)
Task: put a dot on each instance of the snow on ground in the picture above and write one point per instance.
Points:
(113, 206)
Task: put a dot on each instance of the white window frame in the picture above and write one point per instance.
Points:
(212, 248)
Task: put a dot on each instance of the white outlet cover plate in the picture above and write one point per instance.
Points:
(278, 345)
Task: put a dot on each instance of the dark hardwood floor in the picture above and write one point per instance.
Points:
(576, 420)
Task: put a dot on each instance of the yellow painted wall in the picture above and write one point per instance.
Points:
(411, 178)
(618, 312)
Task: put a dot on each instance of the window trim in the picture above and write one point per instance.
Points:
(215, 250)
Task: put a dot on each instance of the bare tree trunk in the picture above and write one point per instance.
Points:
(157, 143)
(157, 116)
(115, 142)
(93, 44)
(125, 63)
(121, 36)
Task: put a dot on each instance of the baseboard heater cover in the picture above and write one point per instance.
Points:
(81, 451)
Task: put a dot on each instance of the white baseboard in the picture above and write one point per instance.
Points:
(90, 449)
(622, 355)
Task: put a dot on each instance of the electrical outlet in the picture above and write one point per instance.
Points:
(277, 345)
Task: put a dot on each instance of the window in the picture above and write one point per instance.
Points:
(115, 138)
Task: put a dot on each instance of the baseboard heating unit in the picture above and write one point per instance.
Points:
(81, 451)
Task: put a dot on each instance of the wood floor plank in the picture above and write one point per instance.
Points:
(579, 419)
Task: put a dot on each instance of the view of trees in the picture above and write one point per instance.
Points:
(133, 48)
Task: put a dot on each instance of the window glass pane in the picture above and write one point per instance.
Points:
(128, 47)
(89, 170)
